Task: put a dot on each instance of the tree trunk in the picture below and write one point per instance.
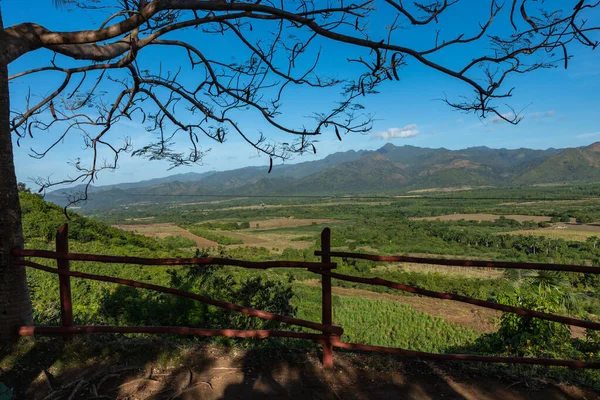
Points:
(15, 305)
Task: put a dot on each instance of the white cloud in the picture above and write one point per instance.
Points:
(588, 135)
(544, 114)
(397, 133)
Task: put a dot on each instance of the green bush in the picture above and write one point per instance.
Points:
(525, 336)
(214, 236)
(129, 306)
(176, 242)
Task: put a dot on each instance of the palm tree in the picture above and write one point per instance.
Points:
(552, 286)
(593, 240)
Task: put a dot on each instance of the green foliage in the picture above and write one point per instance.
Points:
(225, 226)
(388, 323)
(129, 306)
(176, 242)
(385, 322)
(41, 221)
(382, 229)
(525, 336)
(214, 236)
(584, 219)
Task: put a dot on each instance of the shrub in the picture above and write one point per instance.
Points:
(214, 236)
(176, 242)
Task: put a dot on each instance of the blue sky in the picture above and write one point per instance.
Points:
(560, 107)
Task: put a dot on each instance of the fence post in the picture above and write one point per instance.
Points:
(66, 306)
(326, 307)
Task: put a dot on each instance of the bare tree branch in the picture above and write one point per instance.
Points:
(281, 46)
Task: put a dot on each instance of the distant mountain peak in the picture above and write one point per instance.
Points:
(390, 169)
(594, 147)
(386, 148)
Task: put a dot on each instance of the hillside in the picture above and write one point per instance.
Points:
(388, 170)
(367, 315)
(570, 165)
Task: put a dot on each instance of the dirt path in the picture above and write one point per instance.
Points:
(224, 373)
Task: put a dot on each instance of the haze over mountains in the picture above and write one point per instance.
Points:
(390, 169)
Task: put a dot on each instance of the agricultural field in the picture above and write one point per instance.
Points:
(485, 227)
(570, 232)
(274, 233)
(164, 230)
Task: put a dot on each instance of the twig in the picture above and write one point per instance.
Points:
(47, 380)
(76, 389)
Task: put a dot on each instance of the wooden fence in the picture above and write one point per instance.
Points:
(329, 336)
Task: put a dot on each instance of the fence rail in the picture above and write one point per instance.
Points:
(464, 299)
(204, 299)
(467, 263)
(178, 330)
(62, 255)
(330, 336)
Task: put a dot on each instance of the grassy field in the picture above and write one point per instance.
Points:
(482, 273)
(386, 322)
(275, 234)
(554, 233)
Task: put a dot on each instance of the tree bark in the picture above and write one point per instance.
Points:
(15, 305)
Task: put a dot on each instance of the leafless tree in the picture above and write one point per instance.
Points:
(160, 64)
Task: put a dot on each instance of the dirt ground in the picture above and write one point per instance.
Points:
(481, 273)
(163, 230)
(595, 228)
(251, 237)
(211, 372)
(569, 231)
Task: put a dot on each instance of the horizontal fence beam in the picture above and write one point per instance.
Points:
(171, 261)
(467, 263)
(177, 330)
(464, 299)
(336, 330)
(468, 357)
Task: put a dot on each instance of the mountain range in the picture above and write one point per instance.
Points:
(390, 169)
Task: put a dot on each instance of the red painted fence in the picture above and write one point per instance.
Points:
(330, 336)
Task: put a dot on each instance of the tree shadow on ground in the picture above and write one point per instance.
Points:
(154, 368)
(24, 363)
(167, 367)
